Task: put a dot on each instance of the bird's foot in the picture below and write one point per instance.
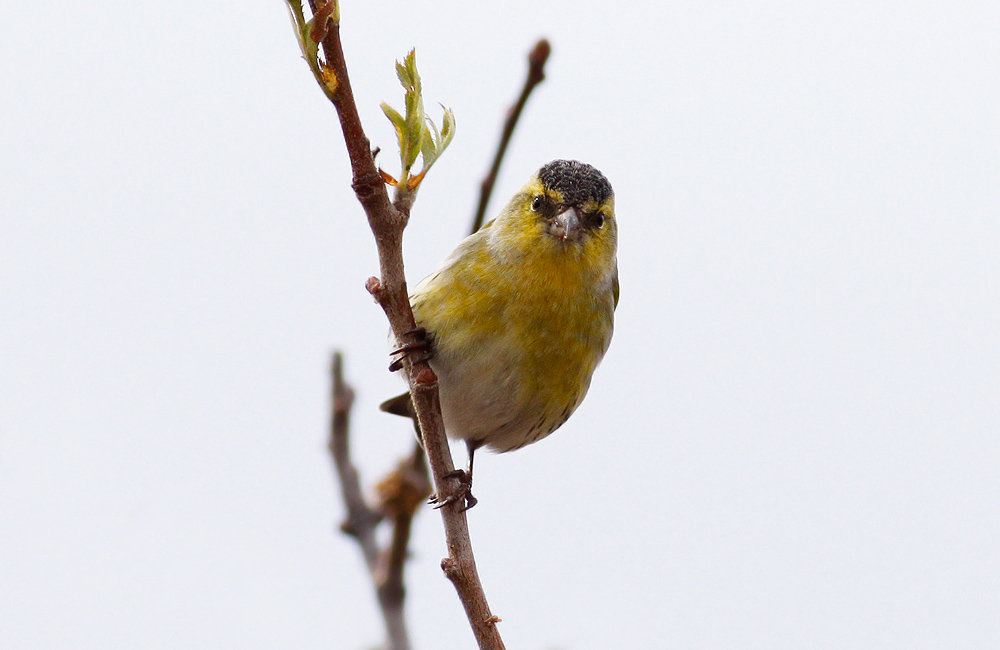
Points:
(417, 350)
(464, 492)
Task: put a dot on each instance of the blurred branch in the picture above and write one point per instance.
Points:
(387, 222)
(400, 495)
(536, 74)
(361, 519)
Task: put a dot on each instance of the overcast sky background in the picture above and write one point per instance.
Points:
(792, 442)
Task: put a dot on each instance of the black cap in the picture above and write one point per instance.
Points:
(577, 181)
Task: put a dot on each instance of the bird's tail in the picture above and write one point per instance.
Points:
(399, 405)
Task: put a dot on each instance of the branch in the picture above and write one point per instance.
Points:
(362, 520)
(387, 224)
(536, 74)
(401, 493)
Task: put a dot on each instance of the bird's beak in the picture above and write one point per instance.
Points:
(566, 224)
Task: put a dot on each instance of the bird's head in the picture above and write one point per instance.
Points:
(567, 207)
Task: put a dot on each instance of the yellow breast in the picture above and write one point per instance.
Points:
(519, 322)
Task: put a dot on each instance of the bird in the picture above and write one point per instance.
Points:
(518, 317)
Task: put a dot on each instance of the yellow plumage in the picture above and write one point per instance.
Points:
(522, 312)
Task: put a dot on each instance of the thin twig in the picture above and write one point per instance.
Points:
(387, 224)
(401, 493)
(536, 74)
(361, 519)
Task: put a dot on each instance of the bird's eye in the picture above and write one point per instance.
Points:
(598, 220)
(536, 205)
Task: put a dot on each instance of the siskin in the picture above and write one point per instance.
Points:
(521, 313)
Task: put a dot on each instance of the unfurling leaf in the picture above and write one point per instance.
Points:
(416, 132)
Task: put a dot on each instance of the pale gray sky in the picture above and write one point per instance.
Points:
(792, 442)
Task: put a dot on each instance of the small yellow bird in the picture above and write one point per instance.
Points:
(521, 313)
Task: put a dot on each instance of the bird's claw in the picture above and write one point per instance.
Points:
(421, 344)
(463, 493)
